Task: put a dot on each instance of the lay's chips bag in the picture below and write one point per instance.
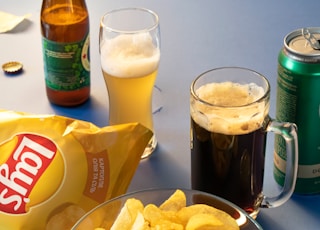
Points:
(54, 169)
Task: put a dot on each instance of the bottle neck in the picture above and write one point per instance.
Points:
(70, 3)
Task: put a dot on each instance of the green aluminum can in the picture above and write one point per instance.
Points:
(298, 101)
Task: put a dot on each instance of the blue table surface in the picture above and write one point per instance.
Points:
(197, 35)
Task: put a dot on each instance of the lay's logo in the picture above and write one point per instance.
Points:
(28, 157)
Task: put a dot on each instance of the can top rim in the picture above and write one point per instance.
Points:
(304, 49)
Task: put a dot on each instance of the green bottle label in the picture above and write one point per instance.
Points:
(66, 65)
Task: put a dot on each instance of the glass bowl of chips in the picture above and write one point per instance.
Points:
(167, 208)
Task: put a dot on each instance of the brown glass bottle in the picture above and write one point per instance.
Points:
(65, 43)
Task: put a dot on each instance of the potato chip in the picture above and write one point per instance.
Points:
(167, 225)
(128, 214)
(155, 216)
(204, 221)
(173, 214)
(186, 213)
(175, 202)
(152, 214)
(140, 223)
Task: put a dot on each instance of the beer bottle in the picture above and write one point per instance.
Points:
(65, 47)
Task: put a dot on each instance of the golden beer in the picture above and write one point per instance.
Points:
(130, 65)
(130, 98)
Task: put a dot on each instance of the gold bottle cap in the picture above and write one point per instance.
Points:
(12, 67)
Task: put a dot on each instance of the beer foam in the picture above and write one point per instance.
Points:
(130, 55)
(234, 108)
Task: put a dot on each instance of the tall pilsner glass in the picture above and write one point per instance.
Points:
(130, 54)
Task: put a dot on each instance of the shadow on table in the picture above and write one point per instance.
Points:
(90, 111)
(265, 220)
(160, 165)
(21, 27)
(311, 204)
(308, 205)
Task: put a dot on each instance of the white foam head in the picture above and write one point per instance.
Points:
(232, 109)
(130, 55)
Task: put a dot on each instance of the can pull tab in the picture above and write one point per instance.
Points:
(314, 43)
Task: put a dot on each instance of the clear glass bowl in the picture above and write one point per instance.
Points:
(104, 214)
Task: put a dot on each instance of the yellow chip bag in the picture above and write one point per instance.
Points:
(53, 169)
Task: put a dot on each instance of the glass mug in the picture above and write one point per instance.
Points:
(229, 123)
(129, 42)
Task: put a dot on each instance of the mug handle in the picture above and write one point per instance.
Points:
(289, 132)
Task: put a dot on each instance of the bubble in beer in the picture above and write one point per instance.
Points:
(229, 93)
(130, 55)
(232, 108)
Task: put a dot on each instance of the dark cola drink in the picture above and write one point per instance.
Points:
(229, 109)
(229, 166)
(228, 142)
